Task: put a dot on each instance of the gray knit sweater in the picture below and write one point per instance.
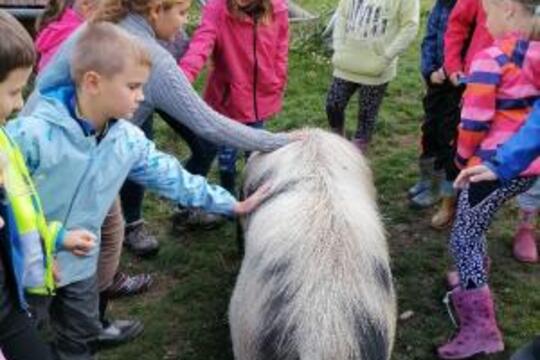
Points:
(167, 90)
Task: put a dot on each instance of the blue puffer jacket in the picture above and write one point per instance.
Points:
(78, 177)
(515, 155)
(432, 57)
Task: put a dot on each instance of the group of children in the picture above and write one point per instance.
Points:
(71, 143)
(69, 154)
(483, 57)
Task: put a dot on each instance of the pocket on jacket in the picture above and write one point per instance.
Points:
(360, 59)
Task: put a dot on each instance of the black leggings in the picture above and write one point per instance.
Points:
(19, 339)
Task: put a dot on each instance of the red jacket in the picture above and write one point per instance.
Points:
(466, 26)
(249, 70)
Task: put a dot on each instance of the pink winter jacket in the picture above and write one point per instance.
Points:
(249, 70)
(53, 35)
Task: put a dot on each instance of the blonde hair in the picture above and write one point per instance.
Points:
(105, 48)
(533, 6)
(264, 11)
(116, 10)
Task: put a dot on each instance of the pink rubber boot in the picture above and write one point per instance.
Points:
(524, 248)
(478, 331)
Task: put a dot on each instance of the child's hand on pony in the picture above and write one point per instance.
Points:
(474, 174)
(253, 201)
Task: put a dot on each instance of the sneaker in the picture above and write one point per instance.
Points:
(195, 218)
(139, 241)
(118, 332)
(126, 285)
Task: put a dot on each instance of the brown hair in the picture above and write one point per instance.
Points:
(16, 48)
(116, 10)
(263, 10)
(105, 48)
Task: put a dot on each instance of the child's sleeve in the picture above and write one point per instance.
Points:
(479, 102)
(409, 20)
(515, 155)
(429, 44)
(202, 42)
(163, 174)
(338, 35)
(458, 31)
(282, 53)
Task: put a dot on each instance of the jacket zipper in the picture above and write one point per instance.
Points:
(255, 68)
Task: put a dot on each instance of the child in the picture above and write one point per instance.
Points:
(60, 19)
(249, 42)
(512, 158)
(502, 80)
(58, 22)
(26, 241)
(439, 102)
(89, 154)
(369, 36)
(465, 36)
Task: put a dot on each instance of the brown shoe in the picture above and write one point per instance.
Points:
(195, 218)
(129, 285)
(445, 214)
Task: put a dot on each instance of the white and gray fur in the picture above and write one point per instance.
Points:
(315, 282)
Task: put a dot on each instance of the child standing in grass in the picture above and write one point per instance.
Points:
(502, 83)
(248, 42)
(27, 243)
(439, 116)
(466, 35)
(369, 36)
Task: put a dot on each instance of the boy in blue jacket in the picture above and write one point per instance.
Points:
(76, 141)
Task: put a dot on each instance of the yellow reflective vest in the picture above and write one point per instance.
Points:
(34, 242)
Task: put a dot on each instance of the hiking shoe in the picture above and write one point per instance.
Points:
(195, 218)
(126, 285)
(139, 241)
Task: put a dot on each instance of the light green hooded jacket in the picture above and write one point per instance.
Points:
(369, 37)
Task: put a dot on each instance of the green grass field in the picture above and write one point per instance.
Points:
(186, 312)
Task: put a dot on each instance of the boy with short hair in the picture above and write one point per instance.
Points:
(75, 140)
(27, 243)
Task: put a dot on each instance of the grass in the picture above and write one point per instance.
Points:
(185, 313)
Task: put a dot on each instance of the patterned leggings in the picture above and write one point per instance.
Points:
(370, 98)
(476, 207)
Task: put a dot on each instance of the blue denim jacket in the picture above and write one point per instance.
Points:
(432, 57)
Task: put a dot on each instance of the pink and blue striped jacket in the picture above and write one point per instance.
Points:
(501, 88)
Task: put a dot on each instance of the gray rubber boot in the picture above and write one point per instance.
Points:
(426, 167)
(428, 185)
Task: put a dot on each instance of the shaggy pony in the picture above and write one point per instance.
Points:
(315, 281)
